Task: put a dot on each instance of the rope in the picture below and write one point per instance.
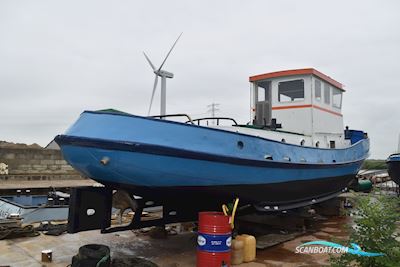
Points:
(232, 214)
(104, 259)
(12, 232)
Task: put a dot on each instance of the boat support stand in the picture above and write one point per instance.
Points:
(90, 208)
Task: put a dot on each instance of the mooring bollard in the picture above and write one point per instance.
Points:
(214, 240)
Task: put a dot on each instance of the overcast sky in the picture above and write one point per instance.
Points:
(58, 58)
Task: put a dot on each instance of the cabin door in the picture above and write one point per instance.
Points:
(263, 103)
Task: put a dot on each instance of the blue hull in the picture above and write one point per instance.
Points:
(149, 156)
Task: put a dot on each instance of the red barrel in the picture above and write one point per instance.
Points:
(214, 240)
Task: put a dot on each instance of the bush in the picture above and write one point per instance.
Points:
(374, 229)
(374, 164)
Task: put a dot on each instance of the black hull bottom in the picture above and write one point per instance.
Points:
(394, 171)
(274, 197)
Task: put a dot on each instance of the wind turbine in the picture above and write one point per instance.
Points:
(164, 75)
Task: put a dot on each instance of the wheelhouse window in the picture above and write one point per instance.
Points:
(261, 93)
(291, 91)
(336, 98)
(327, 94)
(318, 94)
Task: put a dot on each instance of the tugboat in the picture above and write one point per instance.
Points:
(294, 152)
(393, 163)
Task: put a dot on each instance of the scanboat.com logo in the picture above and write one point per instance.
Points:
(330, 247)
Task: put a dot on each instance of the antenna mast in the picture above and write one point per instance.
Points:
(398, 145)
(213, 108)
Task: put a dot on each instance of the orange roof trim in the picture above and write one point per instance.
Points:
(307, 106)
(297, 72)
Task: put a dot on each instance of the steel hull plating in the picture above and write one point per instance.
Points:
(186, 161)
(277, 196)
(393, 163)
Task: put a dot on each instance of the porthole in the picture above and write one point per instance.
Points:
(240, 144)
(283, 140)
(268, 157)
(302, 142)
(317, 144)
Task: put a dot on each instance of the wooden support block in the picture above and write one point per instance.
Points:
(47, 255)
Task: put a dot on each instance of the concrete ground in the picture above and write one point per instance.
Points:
(174, 251)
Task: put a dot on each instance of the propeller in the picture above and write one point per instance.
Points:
(158, 72)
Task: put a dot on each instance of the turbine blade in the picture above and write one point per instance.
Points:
(162, 64)
(152, 94)
(148, 60)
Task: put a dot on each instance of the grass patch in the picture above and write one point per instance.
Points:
(374, 164)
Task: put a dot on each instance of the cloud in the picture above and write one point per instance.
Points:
(58, 58)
